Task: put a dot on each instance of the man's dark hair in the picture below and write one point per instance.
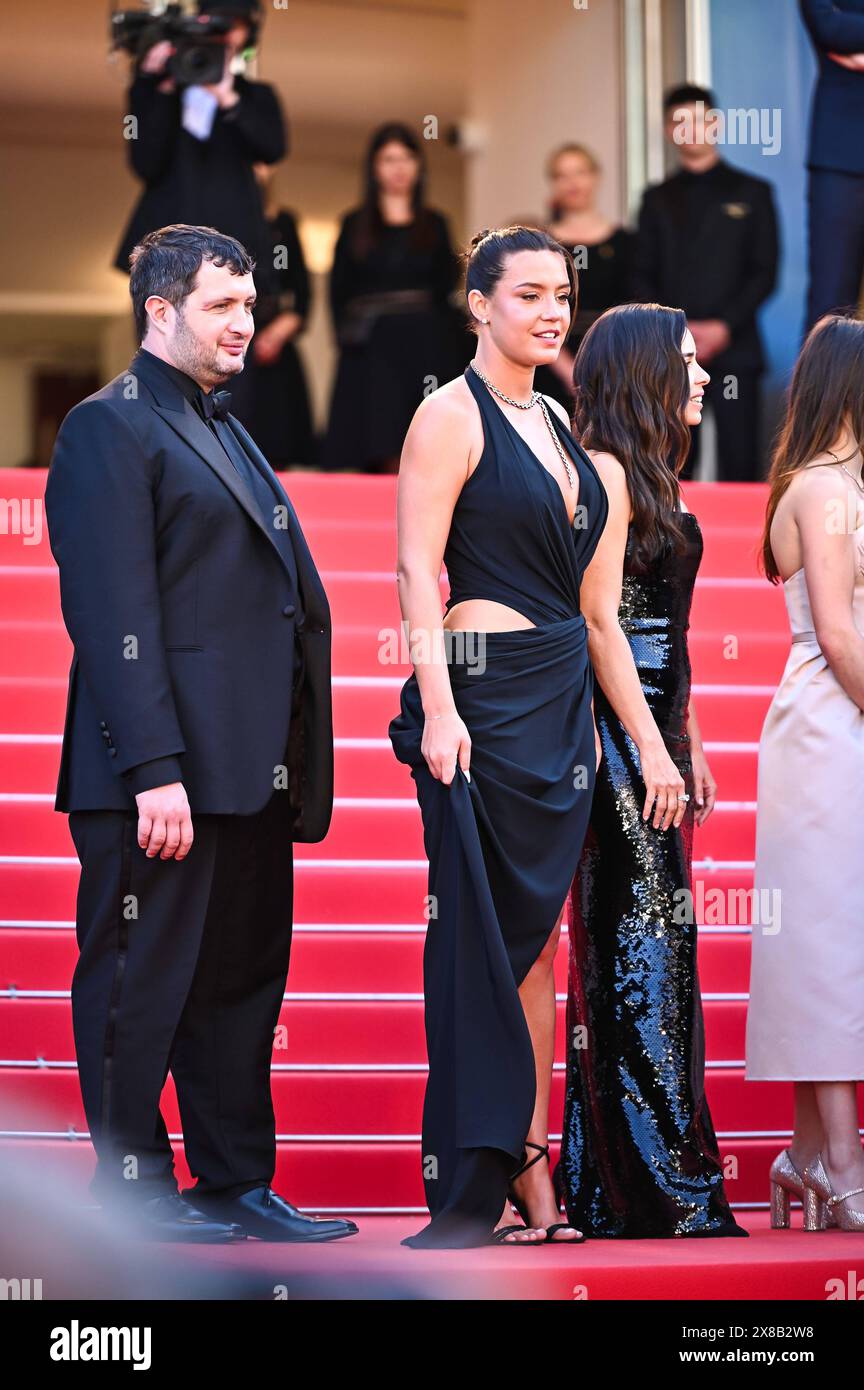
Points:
(687, 94)
(167, 261)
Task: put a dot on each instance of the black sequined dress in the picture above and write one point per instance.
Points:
(639, 1156)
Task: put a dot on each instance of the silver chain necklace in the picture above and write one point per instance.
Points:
(536, 399)
(845, 469)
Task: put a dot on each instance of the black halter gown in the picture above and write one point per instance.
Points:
(502, 848)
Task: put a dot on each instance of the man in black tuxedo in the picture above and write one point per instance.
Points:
(198, 745)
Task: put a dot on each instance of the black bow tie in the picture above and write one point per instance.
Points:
(214, 404)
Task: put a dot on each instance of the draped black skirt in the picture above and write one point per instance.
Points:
(502, 851)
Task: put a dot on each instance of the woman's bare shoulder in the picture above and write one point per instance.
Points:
(446, 432)
(449, 405)
(610, 468)
(816, 481)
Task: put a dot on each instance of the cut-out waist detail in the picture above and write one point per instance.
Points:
(502, 608)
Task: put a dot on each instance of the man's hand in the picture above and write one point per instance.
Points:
(853, 61)
(155, 60)
(270, 341)
(710, 336)
(224, 91)
(165, 822)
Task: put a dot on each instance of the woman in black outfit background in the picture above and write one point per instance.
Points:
(601, 250)
(393, 271)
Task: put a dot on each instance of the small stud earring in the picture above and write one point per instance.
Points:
(484, 320)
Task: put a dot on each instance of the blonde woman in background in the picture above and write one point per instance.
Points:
(602, 252)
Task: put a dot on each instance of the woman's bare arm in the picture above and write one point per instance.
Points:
(828, 550)
(612, 658)
(433, 469)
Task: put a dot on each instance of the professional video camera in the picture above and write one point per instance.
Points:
(198, 40)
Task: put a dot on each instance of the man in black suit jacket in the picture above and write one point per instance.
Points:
(835, 157)
(199, 708)
(708, 244)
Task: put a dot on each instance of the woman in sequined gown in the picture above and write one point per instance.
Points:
(639, 1156)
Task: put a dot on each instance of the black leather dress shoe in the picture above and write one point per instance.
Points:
(263, 1213)
(171, 1217)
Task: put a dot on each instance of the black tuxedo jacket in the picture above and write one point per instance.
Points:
(182, 612)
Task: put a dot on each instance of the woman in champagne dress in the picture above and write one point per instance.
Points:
(805, 1021)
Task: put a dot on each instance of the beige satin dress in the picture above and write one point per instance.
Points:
(805, 1020)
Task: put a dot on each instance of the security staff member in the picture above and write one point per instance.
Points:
(707, 243)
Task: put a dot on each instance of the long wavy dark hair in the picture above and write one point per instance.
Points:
(485, 259)
(369, 226)
(632, 387)
(827, 387)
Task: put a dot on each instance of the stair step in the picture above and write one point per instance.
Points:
(365, 1102)
(30, 604)
(378, 891)
(360, 960)
(29, 764)
(344, 1176)
(363, 706)
(370, 1030)
(360, 826)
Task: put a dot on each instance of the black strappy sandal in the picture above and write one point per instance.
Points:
(500, 1234)
(542, 1152)
(562, 1226)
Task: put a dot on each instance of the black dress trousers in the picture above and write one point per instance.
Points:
(182, 967)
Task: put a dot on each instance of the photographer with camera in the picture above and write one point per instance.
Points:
(199, 129)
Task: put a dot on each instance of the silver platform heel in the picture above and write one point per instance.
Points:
(787, 1182)
(821, 1202)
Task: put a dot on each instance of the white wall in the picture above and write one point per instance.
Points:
(539, 75)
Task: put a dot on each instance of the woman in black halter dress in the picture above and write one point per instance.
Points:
(639, 1155)
(502, 835)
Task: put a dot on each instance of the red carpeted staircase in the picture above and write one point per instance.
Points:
(348, 1087)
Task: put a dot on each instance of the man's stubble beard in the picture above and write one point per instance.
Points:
(198, 359)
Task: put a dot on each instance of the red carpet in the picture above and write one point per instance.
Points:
(348, 1086)
(770, 1265)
